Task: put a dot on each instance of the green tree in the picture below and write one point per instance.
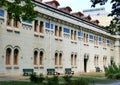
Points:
(20, 9)
(115, 23)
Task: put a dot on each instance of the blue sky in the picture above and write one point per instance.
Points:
(77, 5)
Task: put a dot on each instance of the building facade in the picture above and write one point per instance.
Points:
(56, 39)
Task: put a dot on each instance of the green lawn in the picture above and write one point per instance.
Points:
(93, 77)
(17, 83)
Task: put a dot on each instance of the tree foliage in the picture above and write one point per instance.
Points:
(19, 9)
(115, 23)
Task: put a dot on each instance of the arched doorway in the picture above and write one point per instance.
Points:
(86, 56)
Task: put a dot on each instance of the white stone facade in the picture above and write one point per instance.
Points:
(80, 53)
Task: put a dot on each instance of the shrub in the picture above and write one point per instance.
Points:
(67, 78)
(53, 80)
(84, 81)
(112, 71)
(36, 79)
(117, 76)
(33, 78)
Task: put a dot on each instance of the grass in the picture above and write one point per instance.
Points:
(17, 83)
(97, 77)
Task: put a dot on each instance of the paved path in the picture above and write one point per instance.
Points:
(116, 83)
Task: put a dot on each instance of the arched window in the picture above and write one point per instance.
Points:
(15, 58)
(75, 60)
(8, 56)
(35, 58)
(60, 59)
(41, 58)
(56, 59)
(72, 59)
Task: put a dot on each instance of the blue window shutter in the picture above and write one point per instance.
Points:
(108, 41)
(47, 25)
(66, 30)
(80, 34)
(100, 39)
(52, 26)
(91, 37)
(1, 12)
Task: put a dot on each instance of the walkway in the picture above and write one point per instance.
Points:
(116, 83)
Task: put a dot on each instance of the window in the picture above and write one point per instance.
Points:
(72, 35)
(41, 58)
(66, 30)
(60, 59)
(75, 60)
(104, 42)
(60, 31)
(85, 38)
(104, 61)
(75, 37)
(56, 59)
(8, 56)
(41, 29)
(96, 60)
(16, 52)
(56, 30)
(35, 58)
(9, 19)
(72, 59)
(16, 24)
(95, 40)
(36, 25)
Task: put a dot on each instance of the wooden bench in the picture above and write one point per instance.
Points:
(27, 71)
(68, 71)
(51, 71)
(98, 69)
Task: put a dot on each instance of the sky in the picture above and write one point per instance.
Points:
(77, 5)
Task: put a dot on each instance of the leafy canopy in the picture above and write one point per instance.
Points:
(20, 9)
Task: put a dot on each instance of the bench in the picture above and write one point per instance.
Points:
(51, 71)
(27, 72)
(68, 71)
(98, 69)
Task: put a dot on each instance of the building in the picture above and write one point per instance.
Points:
(56, 39)
(99, 14)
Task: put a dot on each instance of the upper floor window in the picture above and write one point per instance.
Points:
(56, 30)
(41, 27)
(16, 24)
(72, 35)
(85, 38)
(36, 25)
(104, 42)
(96, 40)
(60, 31)
(9, 19)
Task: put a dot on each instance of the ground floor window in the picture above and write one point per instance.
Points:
(12, 56)
(58, 59)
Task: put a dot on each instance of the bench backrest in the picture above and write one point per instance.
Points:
(68, 69)
(51, 70)
(27, 70)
